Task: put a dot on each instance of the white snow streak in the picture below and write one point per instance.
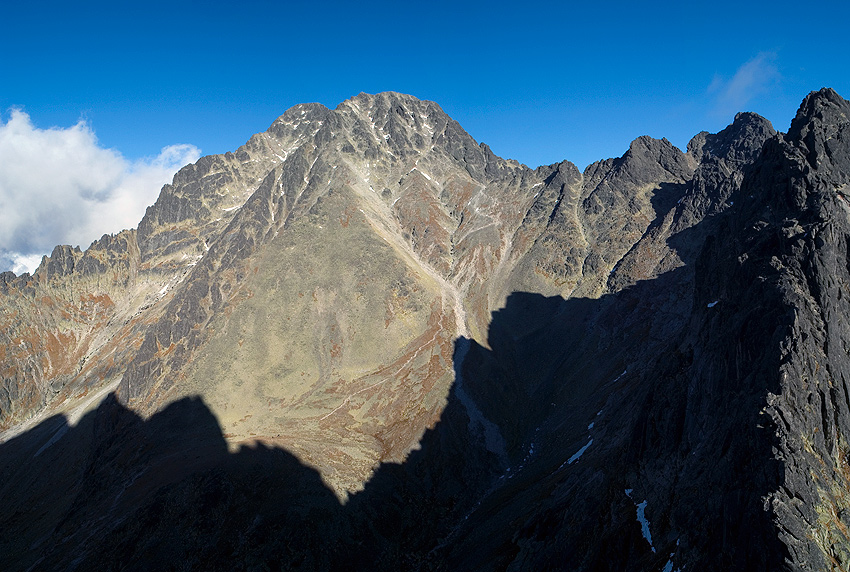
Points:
(641, 517)
(579, 453)
(644, 524)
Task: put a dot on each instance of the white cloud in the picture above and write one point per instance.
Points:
(59, 186)
(755, 78)
(20, 263)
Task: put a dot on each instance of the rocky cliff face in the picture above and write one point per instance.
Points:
(364, 341)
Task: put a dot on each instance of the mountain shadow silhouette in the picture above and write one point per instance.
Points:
(618, 433)
(576, 402)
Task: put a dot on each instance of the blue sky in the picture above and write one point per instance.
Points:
(538, 81)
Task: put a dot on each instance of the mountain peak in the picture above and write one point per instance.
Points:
(741, 141)
(821, 129)
(824, 105)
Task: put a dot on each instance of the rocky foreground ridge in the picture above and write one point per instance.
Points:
(364, 341)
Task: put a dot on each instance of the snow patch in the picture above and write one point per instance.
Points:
(579, 453)
(644, 524)
(423, 173)
(641, 517)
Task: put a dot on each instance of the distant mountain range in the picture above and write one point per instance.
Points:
(362, 341)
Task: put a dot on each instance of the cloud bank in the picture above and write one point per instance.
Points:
(753, 79)
(59, 186)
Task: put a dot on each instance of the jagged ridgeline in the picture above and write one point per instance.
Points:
(363, 341)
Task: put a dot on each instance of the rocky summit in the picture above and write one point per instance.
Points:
(362, 341)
